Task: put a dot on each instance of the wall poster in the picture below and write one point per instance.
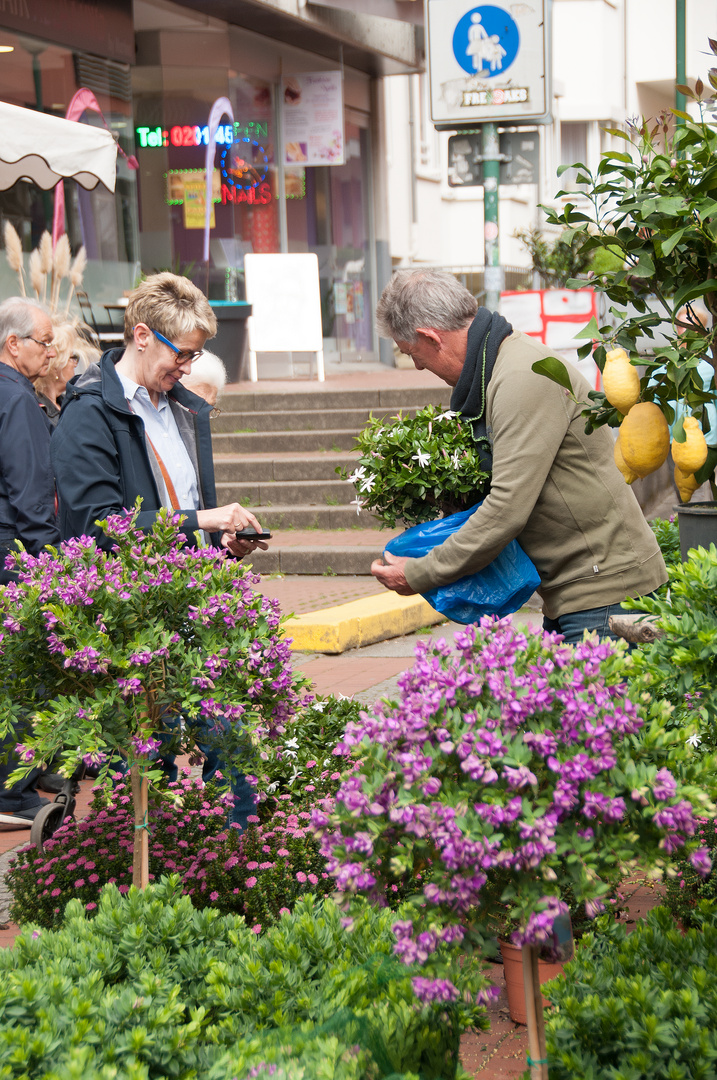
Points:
(313, 118)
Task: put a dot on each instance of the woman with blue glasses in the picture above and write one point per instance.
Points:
(130, 428)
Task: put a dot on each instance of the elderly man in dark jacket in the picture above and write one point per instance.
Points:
(27, 488)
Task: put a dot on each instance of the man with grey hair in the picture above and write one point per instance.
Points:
(27, 486)
(552, 487)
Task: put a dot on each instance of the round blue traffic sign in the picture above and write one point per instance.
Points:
(486, 41)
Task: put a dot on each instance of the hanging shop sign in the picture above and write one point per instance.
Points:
(488, 62)
(313, 118)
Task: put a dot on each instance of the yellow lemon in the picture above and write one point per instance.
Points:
(685, 484)
(644, 438)
(621, 381)
(626, 471)
(690, 455)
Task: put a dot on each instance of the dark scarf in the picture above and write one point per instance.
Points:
(487, 331)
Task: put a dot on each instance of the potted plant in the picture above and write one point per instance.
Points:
(512, 766)
(101, 652)
(413, 469)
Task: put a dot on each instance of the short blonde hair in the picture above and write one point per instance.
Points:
(68, 341)
(172, 305)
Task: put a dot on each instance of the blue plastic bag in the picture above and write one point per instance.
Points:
(498, 589)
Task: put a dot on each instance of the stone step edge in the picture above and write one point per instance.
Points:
(321, 561)
(359, 622)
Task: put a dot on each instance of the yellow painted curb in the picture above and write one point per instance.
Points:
(360, 622)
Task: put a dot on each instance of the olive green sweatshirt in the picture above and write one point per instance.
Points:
(554, 489)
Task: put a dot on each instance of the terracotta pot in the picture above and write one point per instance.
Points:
(513, 968)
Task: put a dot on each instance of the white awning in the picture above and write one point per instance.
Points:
(43, 149)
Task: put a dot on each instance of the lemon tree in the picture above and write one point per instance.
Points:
(654, 202)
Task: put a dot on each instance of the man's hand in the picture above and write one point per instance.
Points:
(389, 571)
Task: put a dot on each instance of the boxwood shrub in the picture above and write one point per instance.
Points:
(637, 1006)
(151, 987)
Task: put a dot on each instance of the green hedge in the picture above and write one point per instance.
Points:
(637, 1006)
(152, 988)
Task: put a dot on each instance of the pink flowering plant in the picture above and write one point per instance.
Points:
(85, 855)
(258, 873)
(262, 872)
(100, 651)
(512, 769)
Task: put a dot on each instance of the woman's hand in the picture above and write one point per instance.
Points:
(227, 519)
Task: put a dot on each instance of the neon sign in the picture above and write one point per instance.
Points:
(237, 171)
(253, 196)
(192, 135)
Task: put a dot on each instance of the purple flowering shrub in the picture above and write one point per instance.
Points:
(100, 648)
(688, 885)
(515, 767)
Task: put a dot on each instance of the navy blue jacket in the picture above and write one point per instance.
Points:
(101, 460)
(27, 487)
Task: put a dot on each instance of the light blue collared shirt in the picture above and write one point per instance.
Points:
(161, 427)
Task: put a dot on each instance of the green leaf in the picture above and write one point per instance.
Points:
(618, 133)
(682, 115)
(691, 292)
(555, 370)
(592, 330)
(678, 431)
(673, 240)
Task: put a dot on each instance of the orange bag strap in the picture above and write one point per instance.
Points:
(162, 468)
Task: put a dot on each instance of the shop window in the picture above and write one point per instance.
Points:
(42, 76)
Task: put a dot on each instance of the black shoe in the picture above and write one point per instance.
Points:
(51, 782)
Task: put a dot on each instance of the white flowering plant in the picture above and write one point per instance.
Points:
(412, 469)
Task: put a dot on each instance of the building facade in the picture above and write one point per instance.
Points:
(156, 67)
(612, 60)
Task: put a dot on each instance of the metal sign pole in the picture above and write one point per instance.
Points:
(493, 273)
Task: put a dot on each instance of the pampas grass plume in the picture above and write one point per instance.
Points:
(37, 278)
(13, 252)
(61, 268)
(77, 271)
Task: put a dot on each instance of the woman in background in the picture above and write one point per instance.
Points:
(72, 355)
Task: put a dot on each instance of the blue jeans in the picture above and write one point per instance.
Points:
(573, 623)
(241, 789)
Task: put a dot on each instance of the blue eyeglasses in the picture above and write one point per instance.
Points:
(180, 356)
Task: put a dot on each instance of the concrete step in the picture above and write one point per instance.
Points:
(273, 442)
(312, 465)
(304, 493)
(322, 560)
(324, 399)
(314, 517)
(301, 420)
(323, 553)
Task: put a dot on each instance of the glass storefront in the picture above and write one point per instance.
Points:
(158, 109)
(325, 208)
(41, 76)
